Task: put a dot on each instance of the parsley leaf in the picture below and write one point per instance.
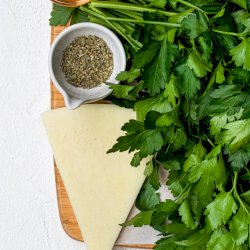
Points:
(236, 134)
(197, 240)
(195, 24)
(171, 91)
(157, 74)
(241, 54)
(241, 3)
(60, 15)
(128, 75)
(162, 211)
(208, 175)
(157, 3)
(220, 210)
(143, 218)
(123, 91)
(199, 66)
(239, 226)
(171, 165)
(240, 158)
(146, 141)
(243, 18)
(188, 81)
(146, 54)
(206, 44)
(147, 198)
(159, 104)
(227, 98)
(218, 76)
(78, 16)
(186, 215)
(221, 238)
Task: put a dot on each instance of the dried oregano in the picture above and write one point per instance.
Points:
(87, 62)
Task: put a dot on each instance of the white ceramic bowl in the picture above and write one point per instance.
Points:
(74, 96)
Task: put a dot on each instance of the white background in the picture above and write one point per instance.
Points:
(29, 217)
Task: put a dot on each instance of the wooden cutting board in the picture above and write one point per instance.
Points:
(66, 212)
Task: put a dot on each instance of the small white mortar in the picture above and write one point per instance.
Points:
(74, 96)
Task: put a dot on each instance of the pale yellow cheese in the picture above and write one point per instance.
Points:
(101, 187)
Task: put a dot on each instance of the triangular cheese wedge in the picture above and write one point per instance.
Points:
(101, 187)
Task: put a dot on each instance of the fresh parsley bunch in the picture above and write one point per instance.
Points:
(189, 82)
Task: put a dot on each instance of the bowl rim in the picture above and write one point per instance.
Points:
(54, 44)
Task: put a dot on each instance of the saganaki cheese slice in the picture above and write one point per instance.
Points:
(101, 187)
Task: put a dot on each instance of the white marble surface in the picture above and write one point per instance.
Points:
(28, 208)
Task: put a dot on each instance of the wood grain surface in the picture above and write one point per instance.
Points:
(66, 212)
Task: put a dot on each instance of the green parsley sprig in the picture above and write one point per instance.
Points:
(188, 79)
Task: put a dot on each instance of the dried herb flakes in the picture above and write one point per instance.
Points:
(87, 62)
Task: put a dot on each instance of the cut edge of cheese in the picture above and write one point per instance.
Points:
(101, 187)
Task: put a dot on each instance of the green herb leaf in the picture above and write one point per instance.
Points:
(237, 134)
(195, 24)
(141, 219)
(218, 76)
(147, 198)
(162, 211)
(149, 168)
(188, 81)
(128, 75)
(242, 17)
(239, 226)
(146, 141)
(78, 16)
(158, 104)
(240, 158)
(227, 98)
(196, 240)
(246, 197)
(220, 210)
(157, 3)
(222, 239)
(157, 74)
(241, 54)
(186, 215)
(171, 165)
(171, 91)
(154, 178)
(199, 66)
(122, 91)
(146, 54)
(60, 15)
(241, 3)
(208, 175)
(206, 44)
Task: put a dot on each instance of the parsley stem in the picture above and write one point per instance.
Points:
(174, 25)
(235, 192)
(227, 33)
(235, 181)
(135, 2)
(115, 26)
(248, 172)
(184, 194)
(93, 11)
(136, 45)
(191, 5)
(210, 142)
(130, 14)
(127, 6)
